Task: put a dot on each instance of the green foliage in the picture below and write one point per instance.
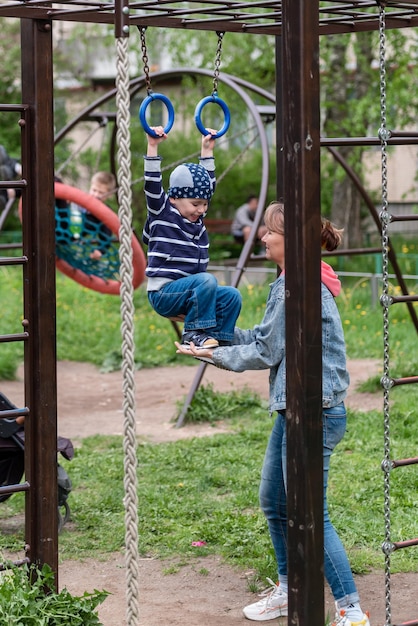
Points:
(10, 88)
(24, 600)
(251, 57)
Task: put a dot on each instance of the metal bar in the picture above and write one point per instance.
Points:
(12, 184)
(395, 299)
(121, 18)
(13, 107)
(19, 563)
(352, 251)
(13, 413)
(38, 228)
(395, 140)
(404, 218)
(262, 17)
(14, 337)
(408, 380)
(413, 622)
(14, 488)
(373, 212)
(5, 260)
(398, 545)
(404, 462)
(301, 162)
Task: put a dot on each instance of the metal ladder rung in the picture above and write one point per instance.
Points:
(13, 413)
(18, 260)
(9, 489)
(15, 337)
(409, 298)
(19, 563)
(404, 218)
(403, 462)
(407, 380)
(398, 545)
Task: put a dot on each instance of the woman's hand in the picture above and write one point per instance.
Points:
(191, 350)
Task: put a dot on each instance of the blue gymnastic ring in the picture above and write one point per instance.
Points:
(143, 109)
(198, 112)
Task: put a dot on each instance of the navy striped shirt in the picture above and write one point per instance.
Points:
(177, 247)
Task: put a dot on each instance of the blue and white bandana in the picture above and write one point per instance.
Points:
(190, 180)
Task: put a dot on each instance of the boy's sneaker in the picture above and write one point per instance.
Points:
(273, 604)
(200, 339)
(341, 619)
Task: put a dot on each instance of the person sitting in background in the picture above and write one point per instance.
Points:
(244, 221)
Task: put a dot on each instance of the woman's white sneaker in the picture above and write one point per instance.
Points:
(341, 619)
(273, 604)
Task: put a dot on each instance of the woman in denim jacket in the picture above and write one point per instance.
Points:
(263, 347)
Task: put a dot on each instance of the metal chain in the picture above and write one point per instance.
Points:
(385, 300)
(217, 63)
(145, 59)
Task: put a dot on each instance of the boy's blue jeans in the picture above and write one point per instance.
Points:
(273, 504)
(206, 305)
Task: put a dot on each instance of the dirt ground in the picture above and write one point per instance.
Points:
(206, 591)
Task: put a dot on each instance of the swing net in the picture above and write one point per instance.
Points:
(87, 241)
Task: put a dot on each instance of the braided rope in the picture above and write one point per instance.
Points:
(127, 329)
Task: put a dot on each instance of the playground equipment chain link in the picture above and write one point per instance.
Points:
(145, 60)
(217, 63)
(384, 135)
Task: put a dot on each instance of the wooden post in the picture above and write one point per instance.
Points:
(39, 294)
(301, 164)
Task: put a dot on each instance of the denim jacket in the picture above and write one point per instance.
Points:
(263, 347)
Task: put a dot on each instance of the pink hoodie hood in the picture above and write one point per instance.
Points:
(330, 279)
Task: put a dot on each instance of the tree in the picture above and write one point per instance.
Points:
(351, 105)
(350, 90)
(350, 100)
(10, 91)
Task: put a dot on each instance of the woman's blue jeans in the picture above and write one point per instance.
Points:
(205, 304)
(273, 504)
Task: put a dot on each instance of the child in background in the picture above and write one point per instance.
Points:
(102, 186)
(178, 249)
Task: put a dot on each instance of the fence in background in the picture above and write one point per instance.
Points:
(261, 275)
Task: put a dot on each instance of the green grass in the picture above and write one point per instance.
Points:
(214, 480)
(88, 325)
(207, 489)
